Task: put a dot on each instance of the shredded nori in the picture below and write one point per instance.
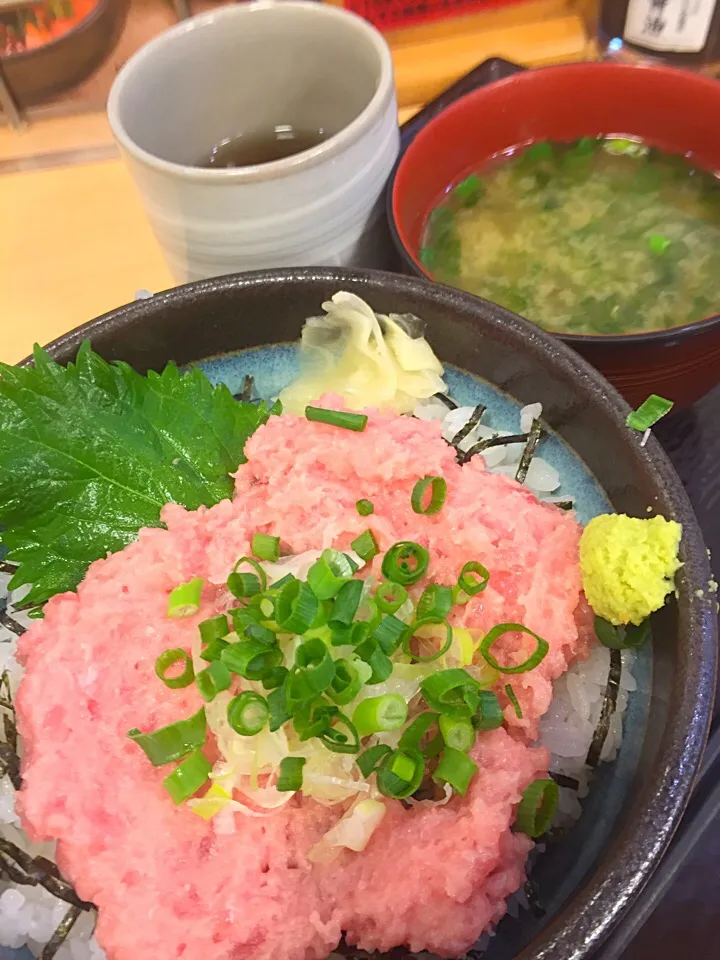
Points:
(495, 441)
(564, 504)
(570, 783)
(532, 893)
(61, 933)
(608, 709)
(38, 871)
(12, 625)
(536, 432)
(448, 401)
(468, 427)
(9, 759)
(6, 567)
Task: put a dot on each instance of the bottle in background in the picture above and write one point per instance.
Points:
(681, 32)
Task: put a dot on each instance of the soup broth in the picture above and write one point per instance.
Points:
(601, 236)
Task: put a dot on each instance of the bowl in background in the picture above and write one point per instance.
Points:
(667, 108)
(589, 880)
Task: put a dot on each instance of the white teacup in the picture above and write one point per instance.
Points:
(247, 68)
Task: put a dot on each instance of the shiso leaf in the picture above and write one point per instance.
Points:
(91, 452)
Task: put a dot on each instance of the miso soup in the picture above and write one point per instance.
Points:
(601, 236)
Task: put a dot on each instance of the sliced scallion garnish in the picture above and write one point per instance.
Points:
(346, 603)
(247, 713)
(648, 413)
(365, 546)
(538, 655)
(515, 703)
(337, 741)
(296, 607)
(389, 633)
(187, 778)
(370, 759)
(390, 596)
(251, 659)
(468, 583)
(242, 585)
(380, 714)
(214, 629)
(488, 715)
(453, 692)
(406, 562)
(315, 668)
(364, 508)
(290, 776)
(327, 575)
(455, 768)
(172, 658)
(278, 707)
(213, 650)
(260, 573)
(436, 601)
(265, 547)
(427, 622)
(346, 683)
(400, 773)
(213, 680)
(537, 808)
(413, 737)
(184, 600)
(173, 741)
(438, 493)
(337, 418)
(457, 732)
(371, 652)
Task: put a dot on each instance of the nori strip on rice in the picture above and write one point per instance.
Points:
(467, 428)
(61, 933)
(570, 783)
(9, 759)
(37, 871)
(448, 401)
(536, 432)
(12, 625)
(6, 567)
(495, 441)
(608, 709)
(532, 894)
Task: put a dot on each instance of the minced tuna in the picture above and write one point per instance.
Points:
(169, 884)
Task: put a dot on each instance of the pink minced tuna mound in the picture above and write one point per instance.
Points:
(169, 884)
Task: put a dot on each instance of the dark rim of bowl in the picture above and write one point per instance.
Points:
(97, 11)
(600, 902)
(696, 328)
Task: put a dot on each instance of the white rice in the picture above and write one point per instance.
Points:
(30, 915)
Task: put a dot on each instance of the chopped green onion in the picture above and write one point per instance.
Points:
(537, 656)
(400, 773)
(405, 562)
(174, 741)
(622, 638)
(390, 596)
(657, 243)
(648, 413)
(489, 715)
(537, 808)
(337, 418)
(290, 776)
(469, 584)
(369, 760)
(283, 581)
(187, 778)
(347, 682)
(364, 508)
(426, 622)
(453, 692)
(243, 585)
(256, 631)
(213, 680)
(213, 650)
(247, 713)
(316, 668)
(184, 600)
(380, 664)
(242, 617)
(251, 659)
(413, 737)
(455, 768)
(327, 575)
(171, 658)
(256, 567)
(339, 742)
(457, 733)
(313, 718)
(379, 714)
(359, 633)
(346, 603)
(436, 601)
(341, 634)
(514, 701)
(365, 546)
(389, 634)
(296, 607)
(265, 547)
(438, 492)
(214, 629)
(275, 678)
(279, 711)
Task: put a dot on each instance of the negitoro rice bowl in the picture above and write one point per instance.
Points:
(480, 629)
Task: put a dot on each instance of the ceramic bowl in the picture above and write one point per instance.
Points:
(665, 107)
(240, 324)
(246, 69)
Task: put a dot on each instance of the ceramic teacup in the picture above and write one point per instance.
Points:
(252, 67)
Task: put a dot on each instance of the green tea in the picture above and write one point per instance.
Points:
(601, 236)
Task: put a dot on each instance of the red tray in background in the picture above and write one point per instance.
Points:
(392, 14)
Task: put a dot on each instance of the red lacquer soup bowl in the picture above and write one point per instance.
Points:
(674, 110)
